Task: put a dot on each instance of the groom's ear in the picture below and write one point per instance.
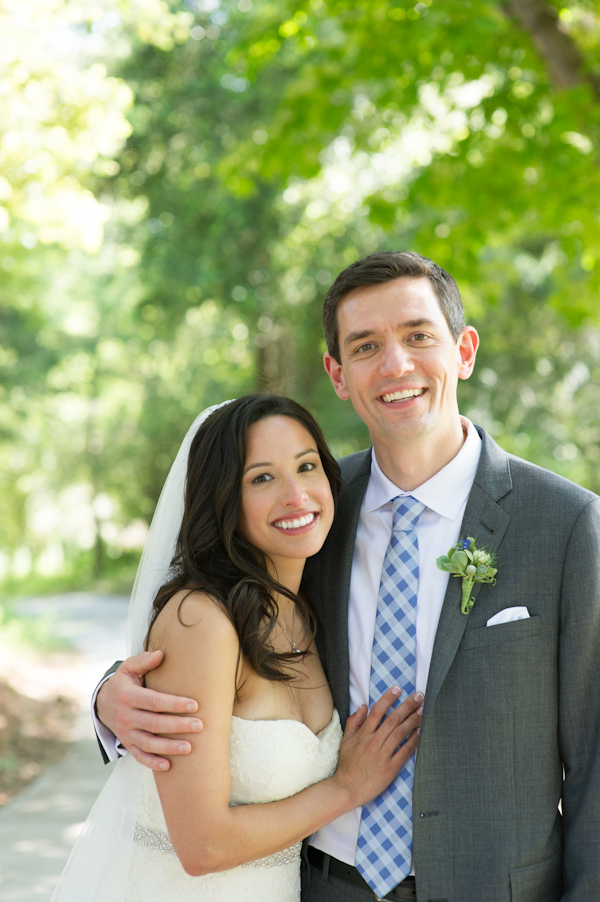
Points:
(466, 347)
(336, 374)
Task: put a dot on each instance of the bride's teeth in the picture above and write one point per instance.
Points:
(295, 524)
(401, 395)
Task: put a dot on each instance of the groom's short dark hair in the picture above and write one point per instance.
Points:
(385, 266)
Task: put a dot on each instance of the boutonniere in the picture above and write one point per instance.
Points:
(472, 564)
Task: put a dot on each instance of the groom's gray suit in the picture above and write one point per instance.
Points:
(507, 707)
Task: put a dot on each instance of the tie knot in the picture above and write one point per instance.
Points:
(407, 511)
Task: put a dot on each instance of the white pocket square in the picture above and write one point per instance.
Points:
(508, 615)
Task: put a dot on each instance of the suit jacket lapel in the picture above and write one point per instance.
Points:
(486, 522)
(336, 568)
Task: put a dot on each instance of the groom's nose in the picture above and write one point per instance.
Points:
(396, 360)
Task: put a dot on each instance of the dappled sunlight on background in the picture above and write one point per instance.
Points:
(180, 182)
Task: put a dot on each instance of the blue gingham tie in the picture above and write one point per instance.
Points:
(384, 848)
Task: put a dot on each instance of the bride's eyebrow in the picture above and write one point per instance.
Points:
(268, 463)
(264, 463)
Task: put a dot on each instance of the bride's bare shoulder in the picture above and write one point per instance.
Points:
(194, 615)
(200, 646)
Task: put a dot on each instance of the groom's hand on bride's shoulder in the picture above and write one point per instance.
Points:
(138, 716)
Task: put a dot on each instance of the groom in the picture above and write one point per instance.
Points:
(511, 721)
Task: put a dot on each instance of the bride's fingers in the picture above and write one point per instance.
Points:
(401, 714)
(405, 728)
(355, 721)
(380, 708)
(400, 757)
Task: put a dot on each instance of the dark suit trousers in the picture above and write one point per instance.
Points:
(319, 887)
(331, 889)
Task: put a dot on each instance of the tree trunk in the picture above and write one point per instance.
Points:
(563, 60)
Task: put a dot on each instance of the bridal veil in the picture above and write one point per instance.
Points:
(98, 867)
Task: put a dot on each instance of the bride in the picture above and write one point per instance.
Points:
(249, 498)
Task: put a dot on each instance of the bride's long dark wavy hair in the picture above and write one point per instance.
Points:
(211, 555)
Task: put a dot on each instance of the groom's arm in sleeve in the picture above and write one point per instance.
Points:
(579, 708)
(129, 717)
(109, 745)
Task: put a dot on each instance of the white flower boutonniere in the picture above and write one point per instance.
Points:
(472, 564)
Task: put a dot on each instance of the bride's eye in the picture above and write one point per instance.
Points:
(306, 467)
(263, 477)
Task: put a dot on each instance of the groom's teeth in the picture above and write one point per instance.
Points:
(295, 524)
(401, 395)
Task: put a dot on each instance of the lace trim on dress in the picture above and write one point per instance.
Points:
(160, 842)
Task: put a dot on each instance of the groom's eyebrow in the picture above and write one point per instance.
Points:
(357, 336)
(351, 337)
(417, 323)
(269, 463)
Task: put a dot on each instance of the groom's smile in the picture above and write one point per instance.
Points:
(403, 395)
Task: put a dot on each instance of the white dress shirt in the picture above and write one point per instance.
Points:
(445, 497)
(111, 745)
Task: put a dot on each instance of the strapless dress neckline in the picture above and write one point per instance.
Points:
(290, 720)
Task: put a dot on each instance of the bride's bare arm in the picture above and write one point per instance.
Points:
(201, 661)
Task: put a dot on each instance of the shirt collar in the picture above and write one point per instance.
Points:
(446, 491)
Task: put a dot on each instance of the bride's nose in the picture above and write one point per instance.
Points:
(294, 494)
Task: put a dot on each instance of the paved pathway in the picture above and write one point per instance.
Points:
(39, 826)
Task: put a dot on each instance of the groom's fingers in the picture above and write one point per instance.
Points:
(138, 666)
(124, 705)
(149, 744)
(159, 703)
(164, 723)
(151, 761)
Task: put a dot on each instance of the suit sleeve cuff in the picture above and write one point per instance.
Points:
(107, 739)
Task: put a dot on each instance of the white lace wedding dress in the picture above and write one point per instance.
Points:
(270, 760)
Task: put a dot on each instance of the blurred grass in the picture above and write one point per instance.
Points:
(34, 633)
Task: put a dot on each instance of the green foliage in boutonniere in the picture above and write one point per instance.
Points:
(472, 564)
